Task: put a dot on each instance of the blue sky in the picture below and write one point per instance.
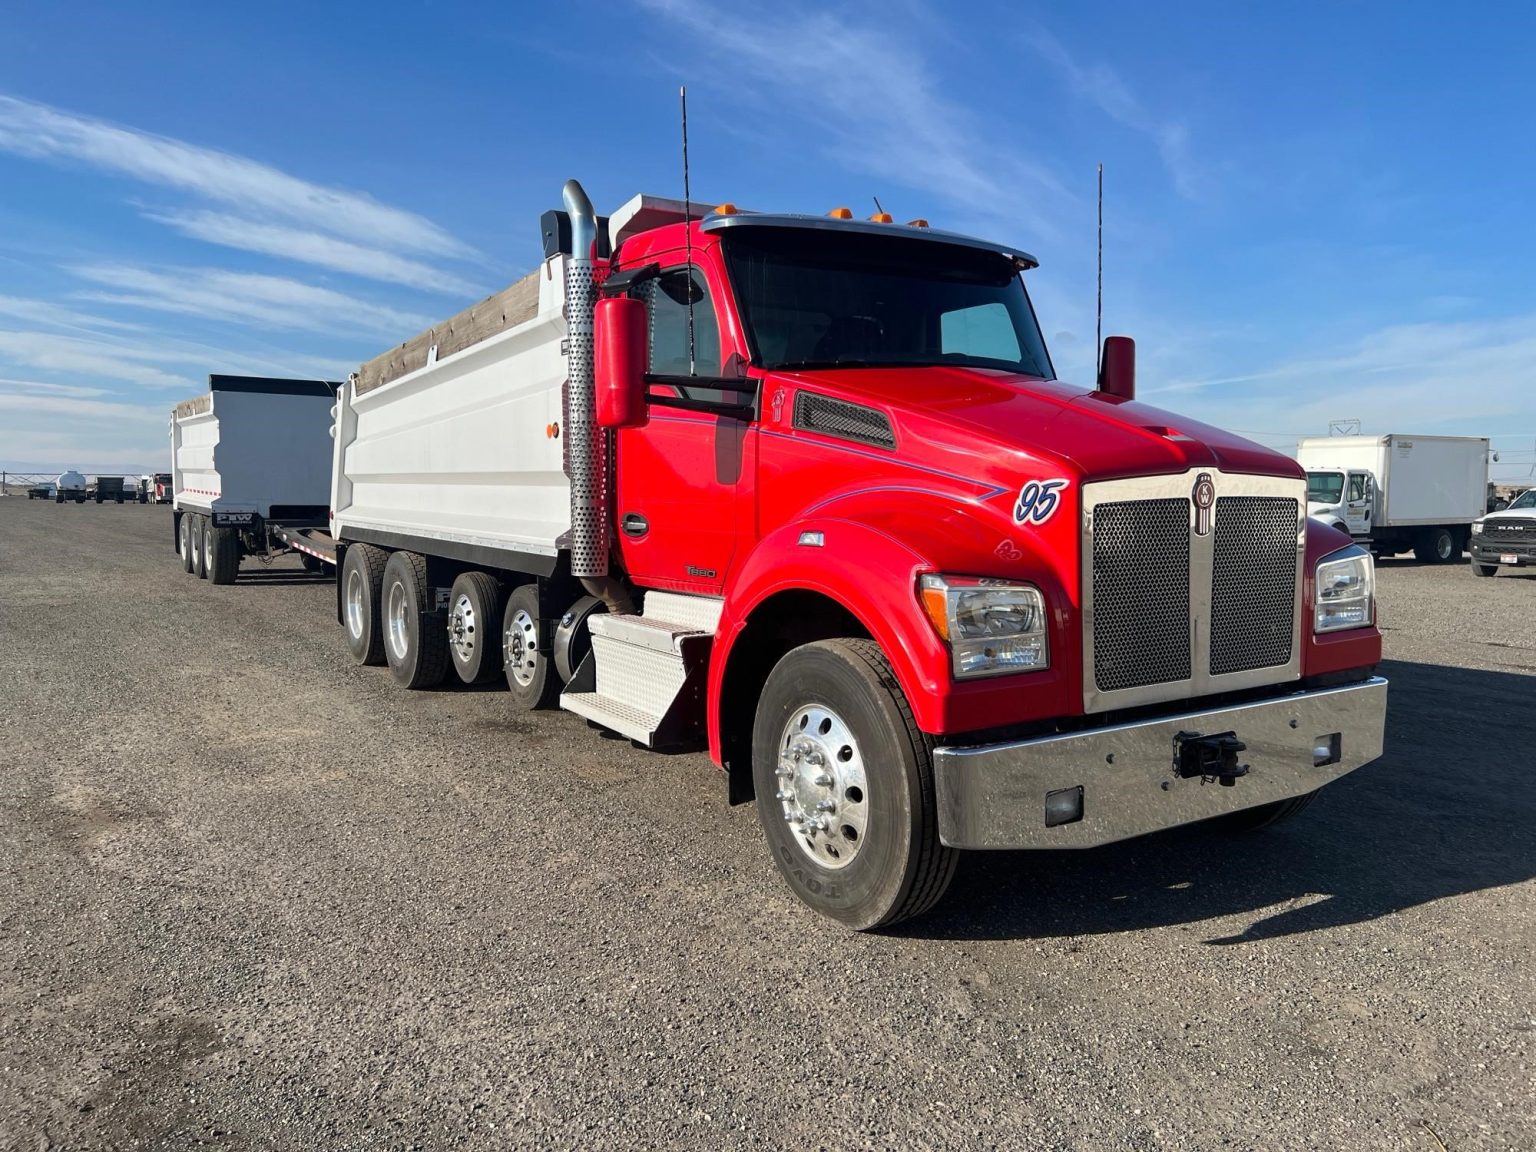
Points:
(1312, 212)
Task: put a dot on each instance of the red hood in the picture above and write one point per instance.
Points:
(966, 411)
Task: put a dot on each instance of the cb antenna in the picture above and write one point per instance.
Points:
(1098, 324)
(687, 227)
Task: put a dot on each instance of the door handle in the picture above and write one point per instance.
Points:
(635, 524)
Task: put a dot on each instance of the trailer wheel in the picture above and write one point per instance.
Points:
(1262, 816)
(1435, 546)
(223, 555)
(310, 563)
(199, 536)
(362, 581)
(119, 497)
(60, 498)
(531, 677)
(474, 627)
(415, 641)
(98, 497)
(184, 541)
(845, 786)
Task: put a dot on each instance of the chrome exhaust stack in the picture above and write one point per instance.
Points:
(586, 443)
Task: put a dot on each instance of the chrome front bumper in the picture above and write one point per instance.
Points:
(995, 796)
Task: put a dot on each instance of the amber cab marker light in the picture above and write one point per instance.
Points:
(918, 223)
(726, 209)
(881, 218)
(841, 213)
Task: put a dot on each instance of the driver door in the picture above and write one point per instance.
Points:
(1359, 498)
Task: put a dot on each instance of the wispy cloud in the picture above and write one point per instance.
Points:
(76, 357)
(316, 248)
(41, 132)
(56, 315)
(875, 105)
(244, 298)
(1102, 86)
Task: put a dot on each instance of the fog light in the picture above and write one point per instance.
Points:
(1327, 749)
(1064, 806)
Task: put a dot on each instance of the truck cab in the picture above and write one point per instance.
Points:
(1343, 498)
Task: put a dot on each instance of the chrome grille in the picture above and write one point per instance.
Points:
(1140, 593)
(1253, 583)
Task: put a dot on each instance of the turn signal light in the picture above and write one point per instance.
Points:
(841, 213)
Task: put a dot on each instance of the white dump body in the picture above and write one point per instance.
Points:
(253, 444)
(463, 452)
(1420, 480)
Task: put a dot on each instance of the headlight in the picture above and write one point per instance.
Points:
(992, 626)
(1346, 591)
(1477, 527)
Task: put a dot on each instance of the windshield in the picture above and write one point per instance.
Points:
(1325, 487)
(1526, 499)
(812, 298)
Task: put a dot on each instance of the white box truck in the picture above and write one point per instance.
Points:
(251, 473)
(1398, 492)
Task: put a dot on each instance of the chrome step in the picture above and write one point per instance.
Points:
(645, 675)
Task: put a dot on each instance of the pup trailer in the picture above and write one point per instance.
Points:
(804, 490)
(250, 474)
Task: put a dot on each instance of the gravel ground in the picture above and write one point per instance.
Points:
(252, 896)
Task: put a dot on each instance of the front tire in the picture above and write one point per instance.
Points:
(531, 676)
(474, 627)
(844, 783)
(1484, 569)
(362, 583)
(1262, 816)
(415, 641)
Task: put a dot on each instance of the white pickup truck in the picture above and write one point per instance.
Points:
(1506, 537)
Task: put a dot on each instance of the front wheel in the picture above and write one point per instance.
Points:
(1484, 569)
(844, 783)
(1262, 816)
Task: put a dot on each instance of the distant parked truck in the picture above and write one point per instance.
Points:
(251, 472)
(1397, 493)
(69, 486)
(161, 489)
(110, 488)
(1506, 537)
(43, 491)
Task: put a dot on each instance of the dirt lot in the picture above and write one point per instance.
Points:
(252, 896)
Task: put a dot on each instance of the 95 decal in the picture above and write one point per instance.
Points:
(1038, 501)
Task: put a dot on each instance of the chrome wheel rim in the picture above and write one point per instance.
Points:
(355, 603)
(399, 635)
(1445, 545)
(463, 629)
(522, 647)
(822, 789)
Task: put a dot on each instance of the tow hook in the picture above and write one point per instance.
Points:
(1212, 757)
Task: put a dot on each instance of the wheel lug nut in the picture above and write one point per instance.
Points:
(825, 806)
(781, 794)
(824, 780)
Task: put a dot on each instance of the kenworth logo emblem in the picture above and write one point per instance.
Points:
(1204, 497)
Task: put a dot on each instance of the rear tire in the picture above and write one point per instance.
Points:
(531, 676)
(1435, 546)
(1262, 816)
(200, 546)
(415, 640)
(1484, 569)
(223, 555)
(859, 777)
(310, 563)
(474, 627)
(362, 581)
(184, 541)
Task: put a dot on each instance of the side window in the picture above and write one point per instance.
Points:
(666, 302)
(1356, 486)
(985, 331)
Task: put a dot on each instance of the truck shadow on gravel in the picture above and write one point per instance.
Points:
(1449, 809)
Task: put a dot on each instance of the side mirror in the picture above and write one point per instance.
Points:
(1117, 367)
(619, 353)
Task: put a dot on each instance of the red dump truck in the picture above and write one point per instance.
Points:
(806, 490)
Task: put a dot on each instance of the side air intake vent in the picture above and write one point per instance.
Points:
(830, 417)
